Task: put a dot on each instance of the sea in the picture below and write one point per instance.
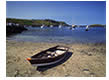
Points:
(61, 35)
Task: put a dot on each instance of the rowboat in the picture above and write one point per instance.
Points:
(48, 57)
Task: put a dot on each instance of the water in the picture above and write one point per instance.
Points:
(62, 35)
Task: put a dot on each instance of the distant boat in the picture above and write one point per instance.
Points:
(42, 26)
(87, 28)
(73, 26)
(60, 26)
(50, 56)
(51, 26)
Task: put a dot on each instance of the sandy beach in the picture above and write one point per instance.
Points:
(86, 60)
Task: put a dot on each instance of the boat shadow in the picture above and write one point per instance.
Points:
(44, 68)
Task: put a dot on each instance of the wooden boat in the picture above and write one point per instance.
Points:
(49, 56)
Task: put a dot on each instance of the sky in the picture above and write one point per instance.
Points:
(71, 12)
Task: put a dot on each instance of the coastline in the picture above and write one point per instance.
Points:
(87, 60)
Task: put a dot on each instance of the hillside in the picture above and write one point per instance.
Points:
(36, 22)
(97, 25)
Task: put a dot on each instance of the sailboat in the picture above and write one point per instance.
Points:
(42, 26)
(73, 27)
(87, 28)
(51, 26)
(60, 26)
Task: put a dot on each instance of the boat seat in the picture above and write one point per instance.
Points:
(59, 52)
(56, 53)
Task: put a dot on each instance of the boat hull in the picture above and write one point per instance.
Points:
(53, 56)
(50, 63)
(47, 61)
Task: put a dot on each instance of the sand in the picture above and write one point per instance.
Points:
(85, 60)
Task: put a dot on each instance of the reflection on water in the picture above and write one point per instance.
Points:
(62, 35)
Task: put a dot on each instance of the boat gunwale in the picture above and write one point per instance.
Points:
(47, 57)
(42, 52)
(44, 64)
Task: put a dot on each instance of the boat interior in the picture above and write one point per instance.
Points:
(51, 52)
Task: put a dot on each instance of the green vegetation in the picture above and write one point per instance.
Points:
(14, 29)
(97, 25)
(36, 22)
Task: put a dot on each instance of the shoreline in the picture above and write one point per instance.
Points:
(87, 60)
(60, 43)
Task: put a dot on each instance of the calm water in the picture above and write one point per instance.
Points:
(62, 35)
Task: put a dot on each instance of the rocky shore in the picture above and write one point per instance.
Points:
(11, 30)
(85, 60)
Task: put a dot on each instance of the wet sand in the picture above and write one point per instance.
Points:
(84, 60)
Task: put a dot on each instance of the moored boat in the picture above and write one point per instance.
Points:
(42, 26)
(49, 56)
(60, 26)
(87, 28)
(51, 26)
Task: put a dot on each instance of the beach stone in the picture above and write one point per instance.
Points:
(94, 49)
(26, 75)
(67, 75)
(29, 72)
(18, 59)
(25, 72)
(92, 74)
(43, 73)
(83, 52)
(63, 64)
(89, 53)
(16, 73)
(9, 62)
(86, 71)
